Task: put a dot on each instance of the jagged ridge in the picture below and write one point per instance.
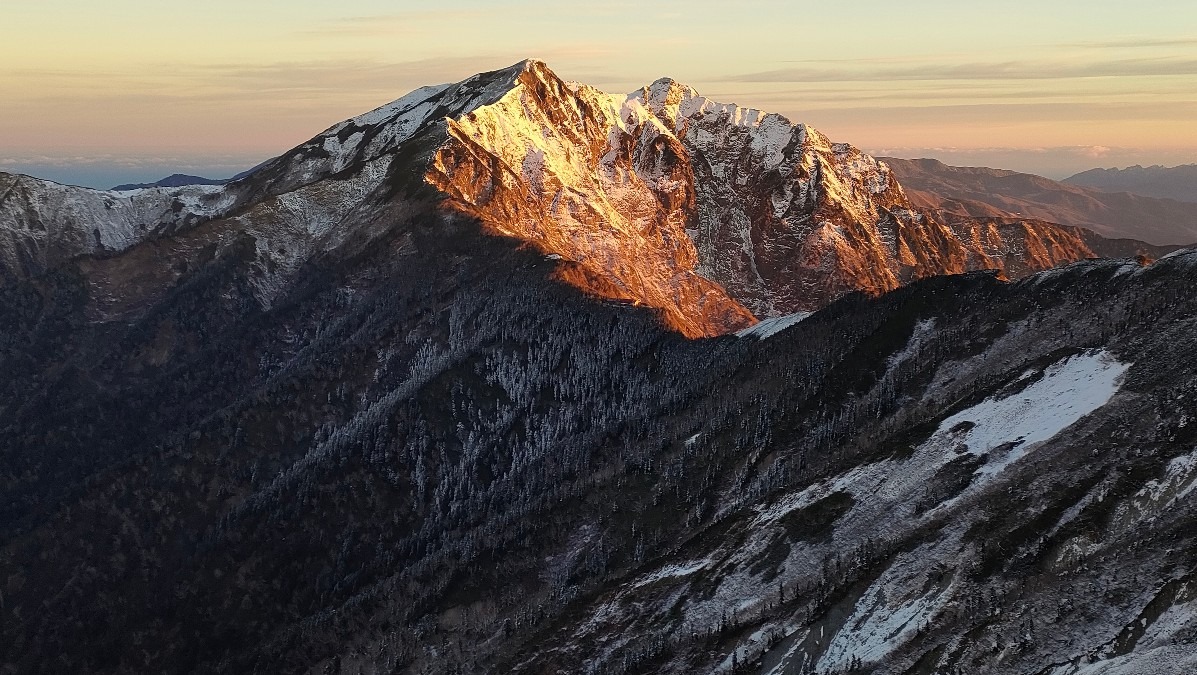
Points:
(780, 217)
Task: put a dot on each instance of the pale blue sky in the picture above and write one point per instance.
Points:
(130, 89)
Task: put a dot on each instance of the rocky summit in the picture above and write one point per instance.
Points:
(512, 375)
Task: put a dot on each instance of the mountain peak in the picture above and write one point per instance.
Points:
(512, 73)
(602, 185)
(171, 181)
(534, 64)
(708, 212)
(668, 100)
(668, 91)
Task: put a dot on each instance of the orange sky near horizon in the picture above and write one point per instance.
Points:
(138, 88)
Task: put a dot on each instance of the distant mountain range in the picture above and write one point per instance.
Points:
(182, 180)
(171, 181)
(1178, 182)
(997, 193)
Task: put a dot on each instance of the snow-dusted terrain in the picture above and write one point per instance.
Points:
(351, 413)
(901, 601)
(983, 449)
(43, 224)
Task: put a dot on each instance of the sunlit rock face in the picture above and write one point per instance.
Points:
(651, 197)
(787, 220)
(595, 180)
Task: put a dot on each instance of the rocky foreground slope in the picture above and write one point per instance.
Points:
(446, 463)
(332, 424)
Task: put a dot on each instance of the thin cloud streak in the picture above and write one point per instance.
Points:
(410, 22)
(323, 76)
(123, 160)
(981, 71)
(1136, 43)
(1091, 151)
(944, 96)
(1143, 123)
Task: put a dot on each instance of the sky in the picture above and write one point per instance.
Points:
(131, 90)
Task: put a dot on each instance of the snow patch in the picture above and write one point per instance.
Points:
(672, 571)
(922, 330)
(1178, 481)
(1168, 627)
(1188, 255)
(884, 619)
(1171, 660)
(1067, 391)
(770, 327)
(861, 475)
(396, 107)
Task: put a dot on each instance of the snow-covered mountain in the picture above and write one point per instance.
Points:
(773, 212)
(44, 224)
(711, 214)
